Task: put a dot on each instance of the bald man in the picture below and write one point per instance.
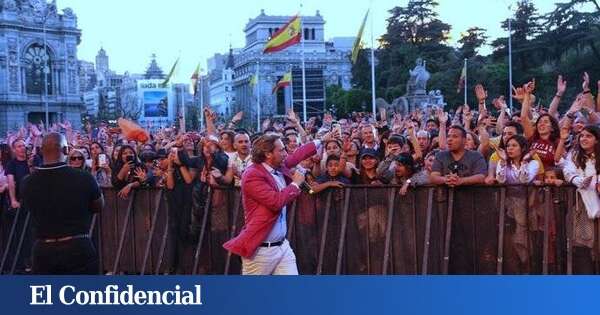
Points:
(61, 200)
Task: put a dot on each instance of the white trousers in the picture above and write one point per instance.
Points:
(276, 260)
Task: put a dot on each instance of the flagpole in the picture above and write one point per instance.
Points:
(257, 96)
(510, 83)
(465, 67)
(372, 66)
(291, 89)
(182, 109)
(303, 67)
(201, 102)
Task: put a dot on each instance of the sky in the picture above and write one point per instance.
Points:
(132, 30)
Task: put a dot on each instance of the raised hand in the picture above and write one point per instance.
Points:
(266, 123)
(238, 117)
(529, 86)
(327, 119)
(565, 131)
(442, 117)
(577, 104)
(586, 82)
(292, 117)
(481, 93)
(561, 85)
(519, 93)
(140, 174)
(499, 103)
(383, 114)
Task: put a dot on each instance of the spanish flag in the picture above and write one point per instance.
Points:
(290, 34)
(358, 41)
(285, 81)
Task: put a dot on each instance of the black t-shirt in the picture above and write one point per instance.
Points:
(58, 198)
(18, 169)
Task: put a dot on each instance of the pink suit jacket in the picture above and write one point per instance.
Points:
(263, 201)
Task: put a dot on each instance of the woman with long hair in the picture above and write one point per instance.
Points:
(77, 159)
(368, 168)
(516, 166)
(100, 165)
(544, 139)
(127, 172)
(581, 168)
(406, 173)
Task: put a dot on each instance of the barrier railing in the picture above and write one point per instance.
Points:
(354, 230)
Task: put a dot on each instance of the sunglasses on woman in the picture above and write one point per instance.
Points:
(76, 158)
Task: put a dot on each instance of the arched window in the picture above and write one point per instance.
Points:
(37, 62)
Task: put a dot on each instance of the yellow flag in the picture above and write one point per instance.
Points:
(358, 41)
(253, 80)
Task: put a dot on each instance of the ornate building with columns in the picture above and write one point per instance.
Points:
(327, 62)
(35, 39)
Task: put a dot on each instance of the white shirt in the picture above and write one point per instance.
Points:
(576, 176)
(240, 165)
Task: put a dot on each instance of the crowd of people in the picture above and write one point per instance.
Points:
(486, 144)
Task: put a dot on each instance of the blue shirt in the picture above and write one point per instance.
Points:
(280, 227)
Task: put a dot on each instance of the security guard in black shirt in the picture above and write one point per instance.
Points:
(62, 201)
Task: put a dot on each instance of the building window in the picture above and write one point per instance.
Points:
(312, 31)
(35, 60)
(306, 34)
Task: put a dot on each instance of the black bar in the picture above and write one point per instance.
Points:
(10, 239)
(123, 234)
(388, 230)
(448, 233)
(427, 232)
(202, 230)
(158, 202)
(324, 233)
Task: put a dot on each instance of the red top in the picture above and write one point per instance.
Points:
(545, 149)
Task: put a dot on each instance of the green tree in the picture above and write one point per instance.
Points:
(361, 70)
(471, 41)
(413, 31)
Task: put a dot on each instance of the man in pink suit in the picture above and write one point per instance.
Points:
(268, 187)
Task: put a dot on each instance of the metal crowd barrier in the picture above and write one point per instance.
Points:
(357, 230)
